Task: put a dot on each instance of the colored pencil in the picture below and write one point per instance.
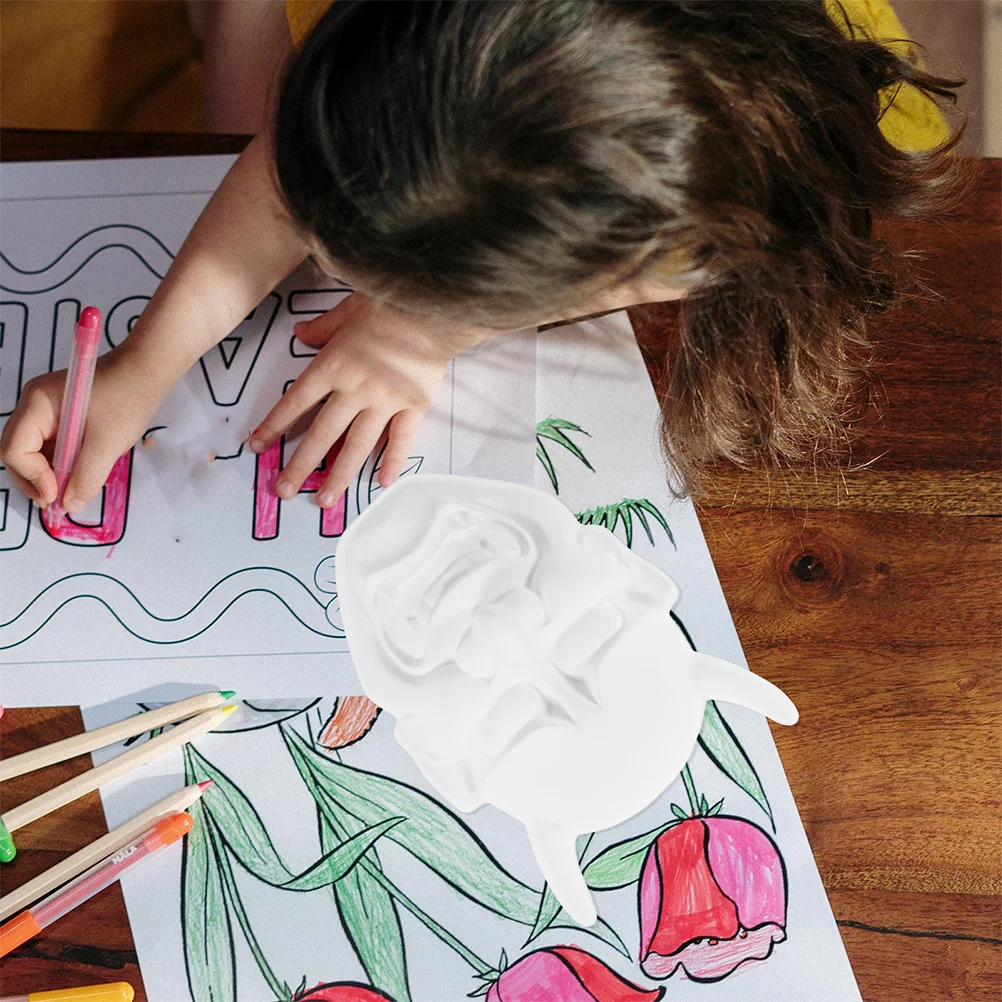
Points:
(80, 744)
(73, 789)
(32, 921)
(121, 836)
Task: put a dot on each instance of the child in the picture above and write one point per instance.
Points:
(473, 168)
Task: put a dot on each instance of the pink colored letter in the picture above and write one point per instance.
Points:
(267, 503)
(114, 509)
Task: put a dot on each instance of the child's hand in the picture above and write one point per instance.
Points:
(121, 405)
(378, 369)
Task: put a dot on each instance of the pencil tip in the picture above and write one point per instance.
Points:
(226, 693)
(205, 784)
(227, 710)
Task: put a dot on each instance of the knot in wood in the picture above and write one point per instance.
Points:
(812, 571)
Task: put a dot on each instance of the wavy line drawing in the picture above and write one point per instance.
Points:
(287, 590)
(149, 249)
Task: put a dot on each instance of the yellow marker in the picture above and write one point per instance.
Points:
(120, 991)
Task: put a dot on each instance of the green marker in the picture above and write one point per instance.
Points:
(7, 850)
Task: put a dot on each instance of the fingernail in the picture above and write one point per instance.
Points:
(285, 489)
(256, 444)
(327, 499)
(73, 505)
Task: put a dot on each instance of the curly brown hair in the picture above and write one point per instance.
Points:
(503, 162)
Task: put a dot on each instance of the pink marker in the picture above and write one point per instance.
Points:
(76, 397)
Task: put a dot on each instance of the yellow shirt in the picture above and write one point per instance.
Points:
(911, 120)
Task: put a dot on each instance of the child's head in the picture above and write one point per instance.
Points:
(505, 162)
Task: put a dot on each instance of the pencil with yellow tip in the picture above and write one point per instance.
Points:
(120, 991)
(101, 737)
(121, 765)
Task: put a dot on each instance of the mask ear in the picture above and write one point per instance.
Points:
(718, 679)
(555, 849)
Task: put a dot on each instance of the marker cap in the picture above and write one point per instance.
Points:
(120, 991)
(17, 931)
(88, 331)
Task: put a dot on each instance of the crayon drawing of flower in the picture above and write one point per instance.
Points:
(564, 974)
(712, 895)
(342, 991)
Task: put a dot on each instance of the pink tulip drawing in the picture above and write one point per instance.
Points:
(712, 896)
(566, 974)
(342, 991)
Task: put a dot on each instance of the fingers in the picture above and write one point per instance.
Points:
(403, 428)
(296, 402)
(359, 442)
(32, 424)
(317, 332)
(90, 471)
(328, 426)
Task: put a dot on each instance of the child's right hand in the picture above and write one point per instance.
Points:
(119, 413)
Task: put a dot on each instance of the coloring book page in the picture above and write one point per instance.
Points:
(187, 565)
(322, 857)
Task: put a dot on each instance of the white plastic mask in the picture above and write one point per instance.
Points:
(530, 662)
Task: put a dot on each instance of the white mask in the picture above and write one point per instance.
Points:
(530, 662)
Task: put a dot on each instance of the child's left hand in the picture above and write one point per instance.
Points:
(378, 369)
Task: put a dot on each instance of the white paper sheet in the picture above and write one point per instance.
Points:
(193, 570)
(437, 898)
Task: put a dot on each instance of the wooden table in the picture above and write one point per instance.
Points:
(873, 600)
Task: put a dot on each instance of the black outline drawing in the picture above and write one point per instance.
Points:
(97, 229)
(269, 323)
(24, 347)
(302, 351)
(171, 619)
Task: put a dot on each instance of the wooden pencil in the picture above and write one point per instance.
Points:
(100, 849)
(86, 782)
(101, 737)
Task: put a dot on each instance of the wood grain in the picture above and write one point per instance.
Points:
(93, 943)
(872, 597)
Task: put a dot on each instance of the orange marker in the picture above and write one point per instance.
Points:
(33, 920)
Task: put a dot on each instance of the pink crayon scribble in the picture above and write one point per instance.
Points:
(114, 510)
(267, 503)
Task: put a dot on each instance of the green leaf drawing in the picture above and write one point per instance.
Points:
(678, 812)
(554, 430)
(723, 748)
(238, 821)
(368, 942)
(725, 751)
(716, 808)
(241, 829)
(430, 832)
(611, 515)
(552, 916)
(205, 920)
(618, 865)
(370, 921)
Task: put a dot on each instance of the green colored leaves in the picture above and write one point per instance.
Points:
(619, 864)
(611, 515)
(430, 832)
(554, 429)
(725, 751)
(205, 918)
